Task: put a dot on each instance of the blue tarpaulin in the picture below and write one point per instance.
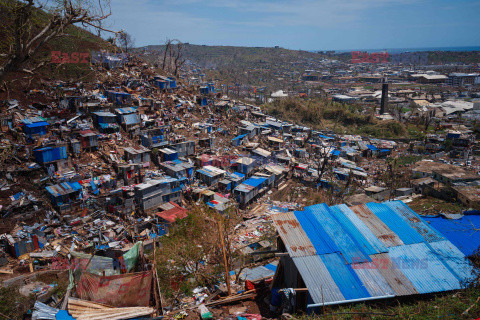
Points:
(461, 232)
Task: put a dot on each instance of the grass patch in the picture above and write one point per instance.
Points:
(430, 205)
(406, 160)
(441, 306)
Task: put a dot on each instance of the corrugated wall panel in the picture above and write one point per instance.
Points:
(322, 242)
(403, 211)
(321, 286)
(355, 233)
(346, 279)
(350, 249)
(423, 268)
(361, 227)
(376, 226)
(395, 223)
(393, 276)
(458, 264)
(292, 234)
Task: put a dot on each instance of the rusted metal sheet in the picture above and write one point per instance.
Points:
(295, 239)
(379, 229)
(393, 276)
(402, 210)
(321, 286)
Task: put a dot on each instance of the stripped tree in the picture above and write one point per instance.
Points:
(30, 31)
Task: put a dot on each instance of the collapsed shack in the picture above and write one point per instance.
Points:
(104, 287)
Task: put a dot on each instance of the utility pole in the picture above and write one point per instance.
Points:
(222, 243)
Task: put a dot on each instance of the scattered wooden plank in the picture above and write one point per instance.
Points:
(234, 299)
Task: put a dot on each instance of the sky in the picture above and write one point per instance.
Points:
(302, 24)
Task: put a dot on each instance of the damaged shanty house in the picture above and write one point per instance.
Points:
(53, 158)
(338, 254)
(153, 193)
(105, 122)
(128, 118)
(65, 196)
(35, 127)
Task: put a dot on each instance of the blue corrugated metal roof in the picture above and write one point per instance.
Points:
(372, 147)
(360, 226)
(317, 235)
(37, 124)
(454, 259)
(324, 241)
(401, 228)
(423, 268)
(346, 279)
(33, 120)
(239, 137)
(351, 251)
(413, 220)
(322, 288)
(373, 280)
(63, 188)
(254, 182)
(126, 110)
(355, 233)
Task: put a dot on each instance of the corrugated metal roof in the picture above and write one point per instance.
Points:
(393, 276)
(399, 226)
(327, 245)
(346, 279)
(255, 181)
(63, 188)
(423, 268)
(259, 272)
(315, 232)
(372, 279)
(376, 226)
(455, 260)
(355, 226)
(402, 210)
(321, 286)
(126, 110)
(33, 120)
(132, 118)
(292, 234)
(350, 250)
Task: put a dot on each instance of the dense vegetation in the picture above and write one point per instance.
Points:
(324, 114)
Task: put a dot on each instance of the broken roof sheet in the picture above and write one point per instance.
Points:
(136, 150)
(342, 257)
(32, 120)
(104, 114)
(63, 188)
(173, 212)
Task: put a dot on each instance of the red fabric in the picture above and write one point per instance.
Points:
(249, 285)
(126, 290)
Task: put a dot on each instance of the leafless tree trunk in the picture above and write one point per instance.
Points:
(126, 41)
(27, 41)
(168, 43)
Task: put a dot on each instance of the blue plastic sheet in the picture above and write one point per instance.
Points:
(461, 232)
